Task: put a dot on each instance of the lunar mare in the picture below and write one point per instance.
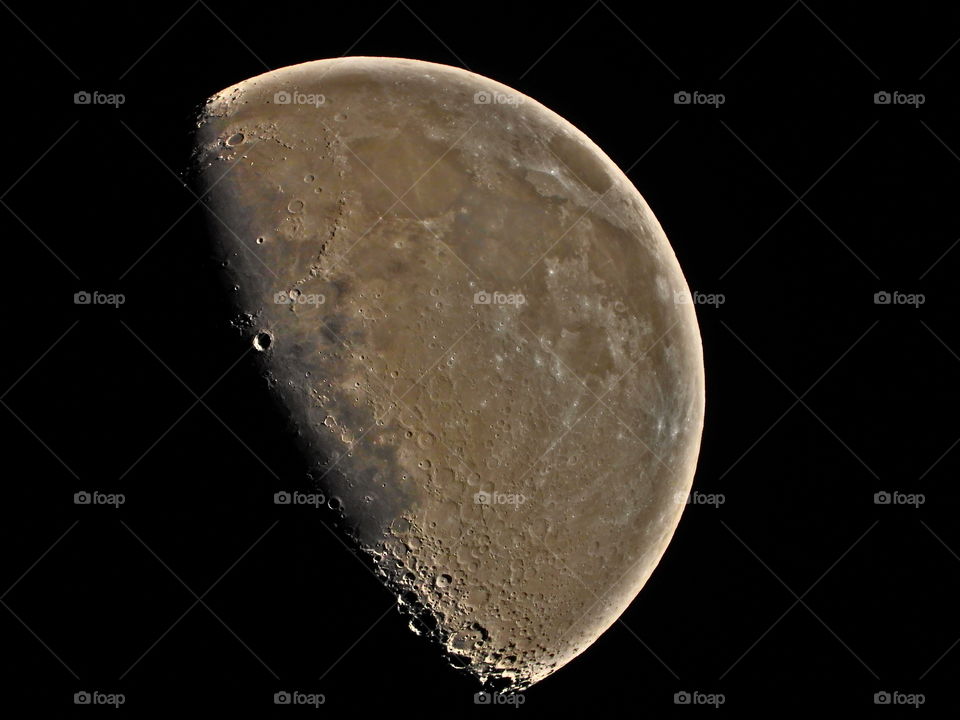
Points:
(474, 322)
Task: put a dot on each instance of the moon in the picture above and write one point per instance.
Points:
(477, 328)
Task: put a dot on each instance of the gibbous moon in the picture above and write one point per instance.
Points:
(476, 326)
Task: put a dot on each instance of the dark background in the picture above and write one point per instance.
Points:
(799, 591)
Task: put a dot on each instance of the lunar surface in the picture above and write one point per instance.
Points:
(476, 327)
